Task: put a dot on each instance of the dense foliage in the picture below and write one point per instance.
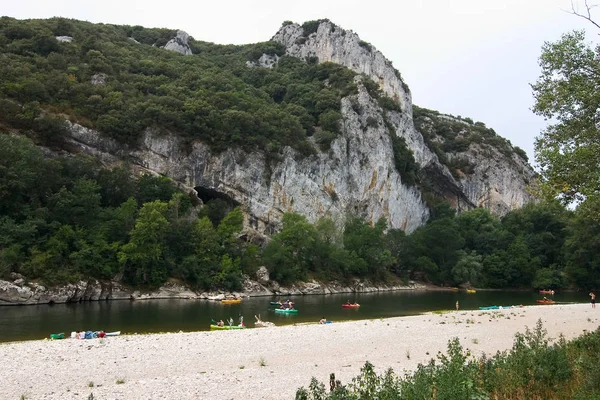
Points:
(567, 94)
(539, 246)
(66, 219)
(532, 369)
(213, 95)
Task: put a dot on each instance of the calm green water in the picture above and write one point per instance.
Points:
(37, 322)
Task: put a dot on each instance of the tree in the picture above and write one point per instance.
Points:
(289, 255)
(568, 92)
(143, 258)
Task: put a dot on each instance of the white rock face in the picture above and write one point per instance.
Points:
(356, 177)
(334, 44)
(503, 185)
(65, 39)
(265, 61)
(498, 184)
(179, 43)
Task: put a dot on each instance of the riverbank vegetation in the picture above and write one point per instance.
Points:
(63, 219)
(535, 368)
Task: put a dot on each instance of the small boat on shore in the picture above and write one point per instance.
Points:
(286, 310)
(116, 333)
(489, 308)
(226, 327)
(351, 305)
(231, 301)
(471, 291)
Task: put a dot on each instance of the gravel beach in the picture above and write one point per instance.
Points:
(262, 363)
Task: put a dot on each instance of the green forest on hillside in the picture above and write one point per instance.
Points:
(212, 96)
(64, 219)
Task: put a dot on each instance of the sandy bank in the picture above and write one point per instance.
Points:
(268, 363)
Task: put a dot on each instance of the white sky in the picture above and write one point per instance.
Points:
(474, 58)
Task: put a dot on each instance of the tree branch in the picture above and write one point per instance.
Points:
(588, 14)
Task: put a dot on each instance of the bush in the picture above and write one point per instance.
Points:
(531, 369)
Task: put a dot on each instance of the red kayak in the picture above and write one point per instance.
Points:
(545, 301)
(355, 305)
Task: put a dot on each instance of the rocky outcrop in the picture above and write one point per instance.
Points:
(64, 39)
(179, 43)
(497, 184)
(19, 292)
(99, 79)
(265, 61)
(334, 44)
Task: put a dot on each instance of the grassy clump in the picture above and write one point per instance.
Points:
(532, 369)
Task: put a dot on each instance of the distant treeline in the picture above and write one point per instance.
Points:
(63, 219)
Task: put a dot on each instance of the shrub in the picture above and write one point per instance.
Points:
(531, 369)
(365, 45)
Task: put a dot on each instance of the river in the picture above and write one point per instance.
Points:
(144, 316)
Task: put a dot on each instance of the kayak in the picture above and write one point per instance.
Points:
(355, 305)
(471, 291)
(57, 336)
(275, 303)
(226, 327)
(231, 301)
(489, 308)
(117, 333)
(546, 291)
(286, 310)
(545, 301)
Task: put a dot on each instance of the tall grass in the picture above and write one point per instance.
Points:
(532, 369)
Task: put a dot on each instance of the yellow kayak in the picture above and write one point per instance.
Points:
(231, 301)
(471, 291)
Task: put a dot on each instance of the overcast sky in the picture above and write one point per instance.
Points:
(474, 58)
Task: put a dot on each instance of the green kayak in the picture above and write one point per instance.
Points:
(286, 311)
(226, 327)
(57, 336)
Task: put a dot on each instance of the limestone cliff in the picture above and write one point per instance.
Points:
(356, 176)
(499, 180)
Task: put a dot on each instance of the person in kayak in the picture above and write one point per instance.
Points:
(323, 321)
(220, 323)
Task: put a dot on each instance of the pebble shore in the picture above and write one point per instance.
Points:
(262, 363)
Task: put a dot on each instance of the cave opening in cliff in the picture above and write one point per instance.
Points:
(216, 204)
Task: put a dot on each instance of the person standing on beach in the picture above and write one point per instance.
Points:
(456, 305)
(593, 296)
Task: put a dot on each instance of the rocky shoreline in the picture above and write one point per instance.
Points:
(18, 291)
